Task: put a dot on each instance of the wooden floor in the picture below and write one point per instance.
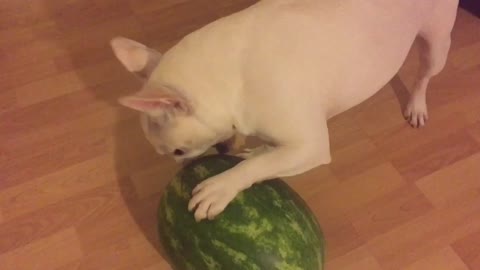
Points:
(79, 185)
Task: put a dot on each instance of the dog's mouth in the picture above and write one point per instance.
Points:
(222, 148)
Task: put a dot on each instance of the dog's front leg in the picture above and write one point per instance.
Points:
(212, 196)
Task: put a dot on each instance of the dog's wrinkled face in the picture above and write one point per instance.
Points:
(183, 137)
(167, 118)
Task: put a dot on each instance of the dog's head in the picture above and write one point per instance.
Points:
(167, 118)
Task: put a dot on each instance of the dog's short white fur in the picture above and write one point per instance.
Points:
(279, 70)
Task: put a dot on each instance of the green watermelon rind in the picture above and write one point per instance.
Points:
(187, 251)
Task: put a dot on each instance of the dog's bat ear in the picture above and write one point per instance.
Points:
(135, 57)
(157, 101)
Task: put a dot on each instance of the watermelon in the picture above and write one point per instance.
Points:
(266, 227)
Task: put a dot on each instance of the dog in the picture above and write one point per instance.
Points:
(279, 70)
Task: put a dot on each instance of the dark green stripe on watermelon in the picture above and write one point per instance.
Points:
(266, 227)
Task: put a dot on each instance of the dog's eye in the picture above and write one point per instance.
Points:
(178, 152)
(154, 125)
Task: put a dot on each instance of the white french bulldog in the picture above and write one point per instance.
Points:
(279, 70)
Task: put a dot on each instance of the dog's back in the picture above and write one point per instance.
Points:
(343, 51)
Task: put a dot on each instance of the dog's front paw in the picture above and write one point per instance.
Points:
(211, 197)
(251, 152)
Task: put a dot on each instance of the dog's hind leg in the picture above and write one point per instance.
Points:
(435, 43)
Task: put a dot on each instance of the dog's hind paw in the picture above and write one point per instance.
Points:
(416, 113)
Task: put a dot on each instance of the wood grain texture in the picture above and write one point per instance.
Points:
(444, 259)
(39, 255)
(469, 250)
(79, 184)
(358, 259)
